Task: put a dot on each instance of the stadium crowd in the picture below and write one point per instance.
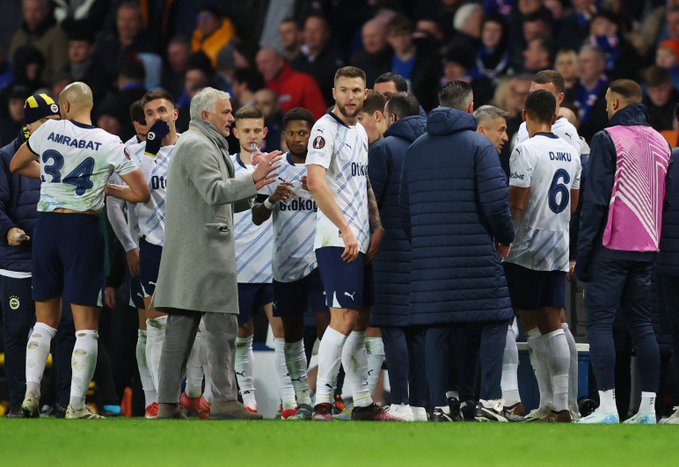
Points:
(409, 184)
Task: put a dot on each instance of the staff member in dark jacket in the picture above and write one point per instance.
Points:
(454, 207)
(18, 214)
(391, 268)
(667, 263)
(618, 241)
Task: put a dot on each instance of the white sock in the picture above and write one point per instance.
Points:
(452, 395)
(287, 389)
(559, 360)
(375, 353)
(573, 381)
(329, 359)
(155, 336)
(150, 393)
(295, 358)
(607, 401)
(37, 349)
(510, 366)
(537, 352)
(245, 359)
(194, 369)
(355, 363)
(83, 362)
(647, 402)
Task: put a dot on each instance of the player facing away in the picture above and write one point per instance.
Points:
(296, 281)
(552, 82)
(74, 160)
(544, 188)
(254, 250)
(337, 165)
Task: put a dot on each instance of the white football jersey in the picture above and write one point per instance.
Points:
(294, 226)
(76, 161)
(561, 128)
(550, 167)
(150, 216)
(254, 243)
(343, 151)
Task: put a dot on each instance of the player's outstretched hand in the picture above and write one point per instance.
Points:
(154, 138)
(350, 252)
(266, 165)
(283, 192)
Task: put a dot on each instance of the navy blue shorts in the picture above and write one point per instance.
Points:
(68, 258)
(532, 290)
(346, 285)
(136, 293)
(294, 298)
(149, 265)
(251, 298)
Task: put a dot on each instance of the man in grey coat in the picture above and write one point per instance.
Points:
(197, 277)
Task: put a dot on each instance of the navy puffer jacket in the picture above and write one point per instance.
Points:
(18, 208)
(454, 206)
(667, 261)
(392, 265)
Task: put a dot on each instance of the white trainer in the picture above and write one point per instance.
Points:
(672, 419)
(30, 407)
(83, 414)
(538, 414)
(639, 418)
(402, 411)
(419, 414)
(601, 417)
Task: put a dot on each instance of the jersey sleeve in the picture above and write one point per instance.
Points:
(37, 138)
(321, 144)
(521, 167)
(121, 158)
(578, 174)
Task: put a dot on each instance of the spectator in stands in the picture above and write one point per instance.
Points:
(12, 122)
(178, 53)
(375, 58)
(91, 12)
(622, 60)
(588, 95)
(575, 27)
(246, 82)
(40, 30)
(467, 26)
(667, 56)
(199, 75)
(420, 66)
(290, 39)
(28, 64)
(319, 57)
(538, 55)
(213, 32)
(130, 38)
(294, 88)
(566, 64)
(661, 98)
(6, 74)
(493, 58)
(82, 63)
(267, 101)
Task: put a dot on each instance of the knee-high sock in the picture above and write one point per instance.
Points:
(245, 359)
(36, 356)
(329, 359)
(155, 336)
(355, 363)
(559, 359)
(287, 391)
(573, 377)
(510, 366)
(150, 393)
(194, 369)
(83, 362)
(375, 353)
(537, 351)
(295, 358)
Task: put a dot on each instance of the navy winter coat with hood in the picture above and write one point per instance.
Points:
(392, 265)
(454, 207)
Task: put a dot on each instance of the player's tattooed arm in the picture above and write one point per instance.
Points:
(376, 229)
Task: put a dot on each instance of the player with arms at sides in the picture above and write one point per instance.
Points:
(254, 250)
(544, 188)
(552, 82)
(74, 160)
(296, 281)
(337, 166)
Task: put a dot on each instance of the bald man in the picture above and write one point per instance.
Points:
(74, 161)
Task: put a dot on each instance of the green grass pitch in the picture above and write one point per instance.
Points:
(139, 442)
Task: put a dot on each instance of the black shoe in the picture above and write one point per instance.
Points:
(14, 412)
(439, 415)
(454, 406)
(58, 411)
(374, 413)
(468, 411)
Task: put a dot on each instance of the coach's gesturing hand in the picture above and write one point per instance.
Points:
(350, 252)
(283, 192)
(264, 170)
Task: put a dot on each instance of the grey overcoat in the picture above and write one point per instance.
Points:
(198, 265)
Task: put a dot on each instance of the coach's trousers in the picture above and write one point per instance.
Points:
(220, 342)
(620, 282)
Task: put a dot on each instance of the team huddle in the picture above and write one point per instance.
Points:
(374, 221)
